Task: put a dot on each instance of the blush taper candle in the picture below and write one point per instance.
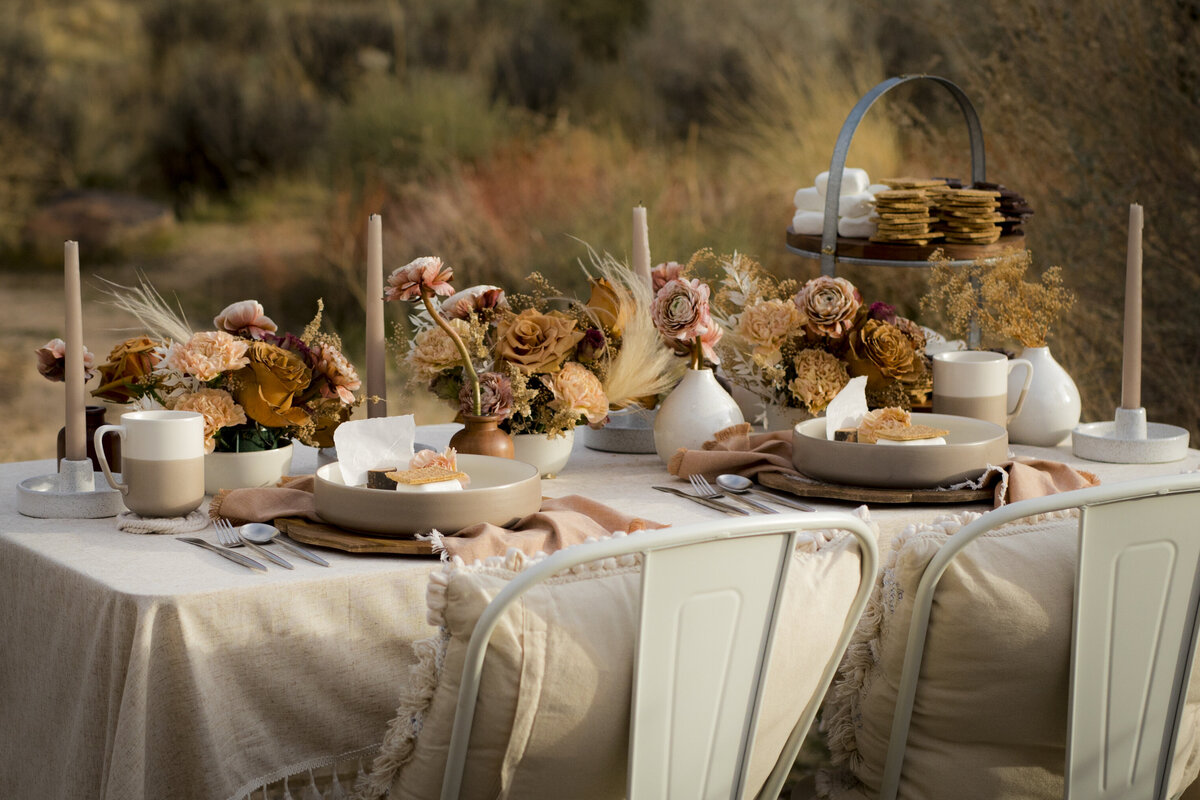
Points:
(76, 423)
(376, 369)
(1131, 364)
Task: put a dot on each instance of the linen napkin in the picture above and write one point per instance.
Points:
(737, 449)
(561, 522)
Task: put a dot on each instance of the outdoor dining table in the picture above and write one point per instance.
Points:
(133, 666)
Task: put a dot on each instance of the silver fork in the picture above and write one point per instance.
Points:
(706, 489)
(228, 536)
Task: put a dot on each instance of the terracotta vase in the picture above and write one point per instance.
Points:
(93, 419)
(480, 436)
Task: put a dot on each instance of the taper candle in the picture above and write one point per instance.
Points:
(1131, 365)
(641, 245)
(376, 371)
(76, 433)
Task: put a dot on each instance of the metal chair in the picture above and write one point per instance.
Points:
(709, 606)
(1137, 588)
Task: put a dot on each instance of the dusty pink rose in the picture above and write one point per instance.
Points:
(477, 298)
(576, 389)
(407, 282)
(495, 396)
(207, 354)
(218, 408)
(680, 310)
(828, 305)
(245, 317)
(664, 273)
(333, 365)
(52, 361)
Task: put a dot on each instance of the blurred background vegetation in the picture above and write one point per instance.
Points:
(233, 148)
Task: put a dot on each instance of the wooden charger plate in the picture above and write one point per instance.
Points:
(322, 535)
(807, 487)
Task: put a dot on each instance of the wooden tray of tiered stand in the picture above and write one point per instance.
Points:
(899, 255)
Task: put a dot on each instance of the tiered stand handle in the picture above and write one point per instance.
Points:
(837, 164)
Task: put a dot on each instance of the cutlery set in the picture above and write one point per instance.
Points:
(716, 497)
(252, 537)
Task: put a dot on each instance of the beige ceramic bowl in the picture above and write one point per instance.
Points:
(501, 491)
(971, 445)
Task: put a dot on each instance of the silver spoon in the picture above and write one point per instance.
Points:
(262, 533)
(740, 484)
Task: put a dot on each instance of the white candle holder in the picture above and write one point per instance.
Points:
(1130, 439)
(76, 491)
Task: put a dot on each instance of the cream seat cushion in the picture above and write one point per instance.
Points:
(552, 719)
(989, 718)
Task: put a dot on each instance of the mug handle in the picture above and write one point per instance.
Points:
(98, 441)
(1020, 362)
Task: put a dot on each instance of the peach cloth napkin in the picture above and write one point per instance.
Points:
(736, 449)
(561, 522)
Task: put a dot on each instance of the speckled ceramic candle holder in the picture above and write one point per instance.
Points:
(75, 492)
(1130, 439)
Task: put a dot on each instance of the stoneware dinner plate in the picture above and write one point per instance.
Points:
(971, 445)
(501, 491)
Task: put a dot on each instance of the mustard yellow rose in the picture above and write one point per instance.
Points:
(535, 342)
(129, 365)
(269, 387)
(883, 353)
(605, 304)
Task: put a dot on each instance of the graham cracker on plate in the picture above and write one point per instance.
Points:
(430, 474)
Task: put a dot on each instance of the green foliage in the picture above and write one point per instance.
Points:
(250, 437)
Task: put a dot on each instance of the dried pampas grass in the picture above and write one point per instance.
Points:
(149, 308)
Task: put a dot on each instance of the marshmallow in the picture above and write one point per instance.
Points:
(451, 485)
(808, 199)
(856, 227)
(856, 205)
(808, 222)
(876, 188)
(854, 181)
(935, 440)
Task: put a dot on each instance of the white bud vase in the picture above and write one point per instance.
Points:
(694, 410)
(1052, 406)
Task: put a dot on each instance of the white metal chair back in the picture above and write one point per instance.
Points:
(710, 601)
(1137, 589)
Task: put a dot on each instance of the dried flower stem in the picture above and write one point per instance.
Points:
(697, 354)
(427, 299)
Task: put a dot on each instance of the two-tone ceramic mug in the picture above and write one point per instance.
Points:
(162, 461)
(974, 383)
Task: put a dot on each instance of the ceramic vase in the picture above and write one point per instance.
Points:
(784, 418)
(1052, 406)
(694, 410)
(94, 417)
(481, 436)
(548, 453)
(246, 470)
(628, 430)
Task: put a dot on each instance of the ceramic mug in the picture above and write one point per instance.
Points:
(974, 383)
(162, 461)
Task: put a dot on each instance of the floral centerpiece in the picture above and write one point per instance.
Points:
(796, 346)
(544, 362)
(257, 387)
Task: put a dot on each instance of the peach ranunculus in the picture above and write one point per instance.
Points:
(207, 354)
(434, 352)
(577, 390)
(245, 317)
(52, 361)
(664, 273)
(766, 325)
(426, 272)
(828, 305)
(341, 379)
(218, 408)
(680, 310)
(475, 298)
(535, 342)
(130, 367)
(268, 388)
(883, 353)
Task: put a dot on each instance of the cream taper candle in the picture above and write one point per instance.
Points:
(1131, 365)
(376, 349)
(641, 244)
(76, 433)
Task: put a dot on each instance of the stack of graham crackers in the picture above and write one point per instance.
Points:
(902, 216)
(969, 216)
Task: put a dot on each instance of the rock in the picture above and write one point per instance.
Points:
(101, 221)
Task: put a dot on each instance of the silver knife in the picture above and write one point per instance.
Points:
(298, 550)
(265, 553)
(724, 508)
(237, 558)
(781, 500)
(746, 501)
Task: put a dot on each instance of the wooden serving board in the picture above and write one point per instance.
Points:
(806, 487)
(882, 251)
(322, 535)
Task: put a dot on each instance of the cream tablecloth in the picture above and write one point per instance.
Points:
(139, 667)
